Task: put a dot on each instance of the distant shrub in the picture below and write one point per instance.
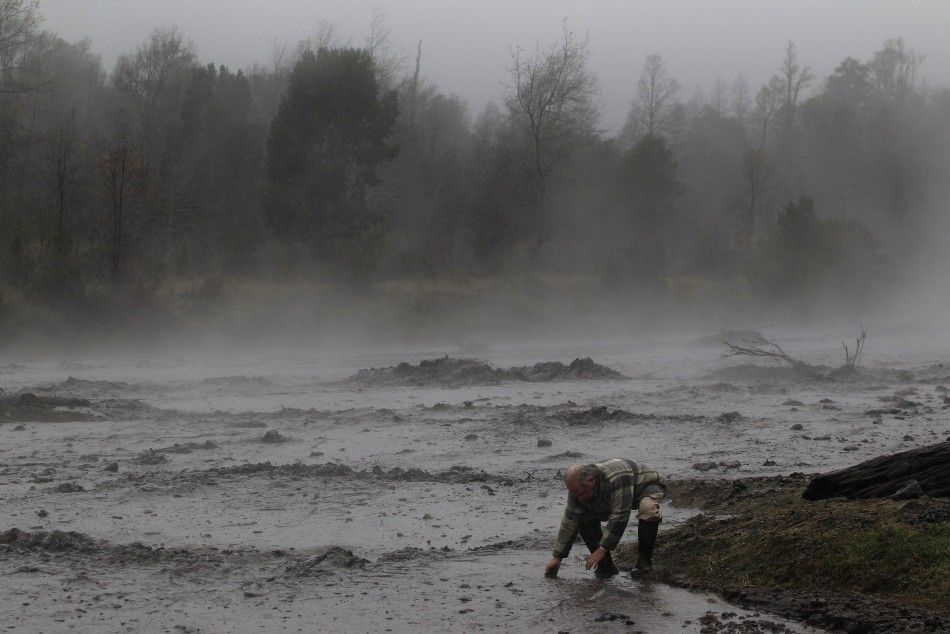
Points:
(807, 256)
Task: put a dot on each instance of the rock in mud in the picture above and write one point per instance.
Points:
(43, 540)
(910, 491)
(611, 616)
(188, 447)
(594, 415)
(150, 457)
(729, 417)
(564, 455)
(274, 437)
(112, 467)
(792, 403)
(705, 466)
(69, 487)
(544, 442)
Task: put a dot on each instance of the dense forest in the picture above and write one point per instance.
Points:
(343, 165)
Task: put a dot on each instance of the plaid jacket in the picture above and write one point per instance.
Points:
(619, 487)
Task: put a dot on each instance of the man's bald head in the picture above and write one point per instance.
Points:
(579, 480)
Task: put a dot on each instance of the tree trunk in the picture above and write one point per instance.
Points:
(884, 476)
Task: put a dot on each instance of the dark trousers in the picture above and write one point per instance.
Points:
(591, 533)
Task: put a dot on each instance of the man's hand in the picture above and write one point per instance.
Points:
(594, 558)
(551, 569)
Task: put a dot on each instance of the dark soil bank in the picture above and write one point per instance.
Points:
(843, 565)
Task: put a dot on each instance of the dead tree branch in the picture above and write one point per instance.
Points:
(851, 361)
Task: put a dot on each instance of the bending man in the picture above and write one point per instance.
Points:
(607, 492)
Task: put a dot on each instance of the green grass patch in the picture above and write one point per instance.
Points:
(866, 546)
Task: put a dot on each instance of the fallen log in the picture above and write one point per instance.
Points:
(884, 476)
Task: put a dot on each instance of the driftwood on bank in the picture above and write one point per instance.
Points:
(753, 344)
(885, 476)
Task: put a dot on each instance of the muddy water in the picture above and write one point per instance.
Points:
(446, 494)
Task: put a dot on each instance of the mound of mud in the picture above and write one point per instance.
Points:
(454, 475)
(749, 372)
(87, 388)
(274, 437)
(240, 383)
(598, 415)
(594, 415)
(325, 561)
(30, 408)
(53, 540)
(451, 372)
(150, 457)
(187, 447)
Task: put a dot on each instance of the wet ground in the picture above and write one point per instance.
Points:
(447, 498)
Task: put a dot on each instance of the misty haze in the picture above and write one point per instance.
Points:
(436, 316)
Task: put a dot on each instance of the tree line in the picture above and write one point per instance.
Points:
(334, 162)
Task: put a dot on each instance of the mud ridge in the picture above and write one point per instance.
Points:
(72, 544)
(452, 372)
(454, 475)
(88, 388)
(27, 407)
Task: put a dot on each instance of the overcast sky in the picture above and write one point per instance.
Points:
(466, 42)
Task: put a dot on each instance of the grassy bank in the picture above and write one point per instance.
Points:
(891, 550)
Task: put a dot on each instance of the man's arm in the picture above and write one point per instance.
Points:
(568, 531)
(621, 501)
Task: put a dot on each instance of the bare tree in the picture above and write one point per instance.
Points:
(380, 48)
(741, 100)
(794, 78)
(894, 70)
(656, 91)
(853, 357)
(119, 168)
(414, 91)
(19, 20)
(327, 35)
(63, 165)
(551, 98)
(154, 74)
(757, 183)
(719, 96)
(767, 103)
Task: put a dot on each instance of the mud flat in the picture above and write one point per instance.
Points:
(252, 494)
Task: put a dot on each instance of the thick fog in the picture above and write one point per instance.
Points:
(466, 42)
(308, 307)
(456, 172)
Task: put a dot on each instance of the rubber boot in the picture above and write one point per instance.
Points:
(591, 533)
(646, 540)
